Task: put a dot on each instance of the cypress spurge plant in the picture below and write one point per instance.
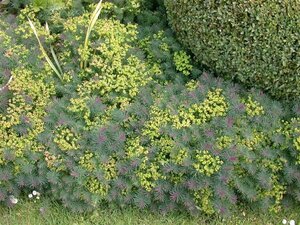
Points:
(134, 129)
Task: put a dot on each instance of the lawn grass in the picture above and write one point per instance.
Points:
(46, 212)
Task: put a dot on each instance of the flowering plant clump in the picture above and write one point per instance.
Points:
(35, 195)
(131, 128)
(182, 62)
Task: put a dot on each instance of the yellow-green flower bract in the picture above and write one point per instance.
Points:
(253, 108)
(214, 105)
(66, 139)
(182, 62)
(25, 86)
(206, 163)
(203, 200)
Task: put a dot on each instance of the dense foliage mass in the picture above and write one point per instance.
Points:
(122, 9)
(15, 6)
(139, 126)
(253, 42)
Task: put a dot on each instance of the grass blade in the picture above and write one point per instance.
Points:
(92, 22)
(53, 53)
(10, 79)
(43, 50)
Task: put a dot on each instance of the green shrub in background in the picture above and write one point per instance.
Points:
(254, 42)
(134, 127)
(15, 6)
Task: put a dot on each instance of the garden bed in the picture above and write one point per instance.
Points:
(113, 110)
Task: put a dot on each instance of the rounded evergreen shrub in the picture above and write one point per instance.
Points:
(138, 125)
(253, 42)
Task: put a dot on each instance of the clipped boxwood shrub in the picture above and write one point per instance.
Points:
(253, 42)
(134, 127)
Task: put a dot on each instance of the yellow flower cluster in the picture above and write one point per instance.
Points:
(26, 107)
(176, 178)
(148, 174)
(291, 130)
(156, 69)
(206, 163)
(258, 138)
(203, 200)
(185, 117)
(275, 165)
(180, 156)
(213, 106)
(134, 6)
(28, 12)
(159, 118)
(50, 159)
(224, 142)
(114, 71)
(277, 192)
(86, 161)
(12, 50)
(253, 108)
(6, 40)
(23, 29)
(78, 105)
(183, 62)
(55, 163)
(96, 187)
(134, 149)
(165, 146)
(192, 85)
(16, 107)
(65, 139)
(110, 169)
(145, 44)
(123, 79)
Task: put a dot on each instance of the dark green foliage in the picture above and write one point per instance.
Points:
(253, 42)
(14, 6)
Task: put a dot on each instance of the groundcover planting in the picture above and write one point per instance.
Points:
(124, 116)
